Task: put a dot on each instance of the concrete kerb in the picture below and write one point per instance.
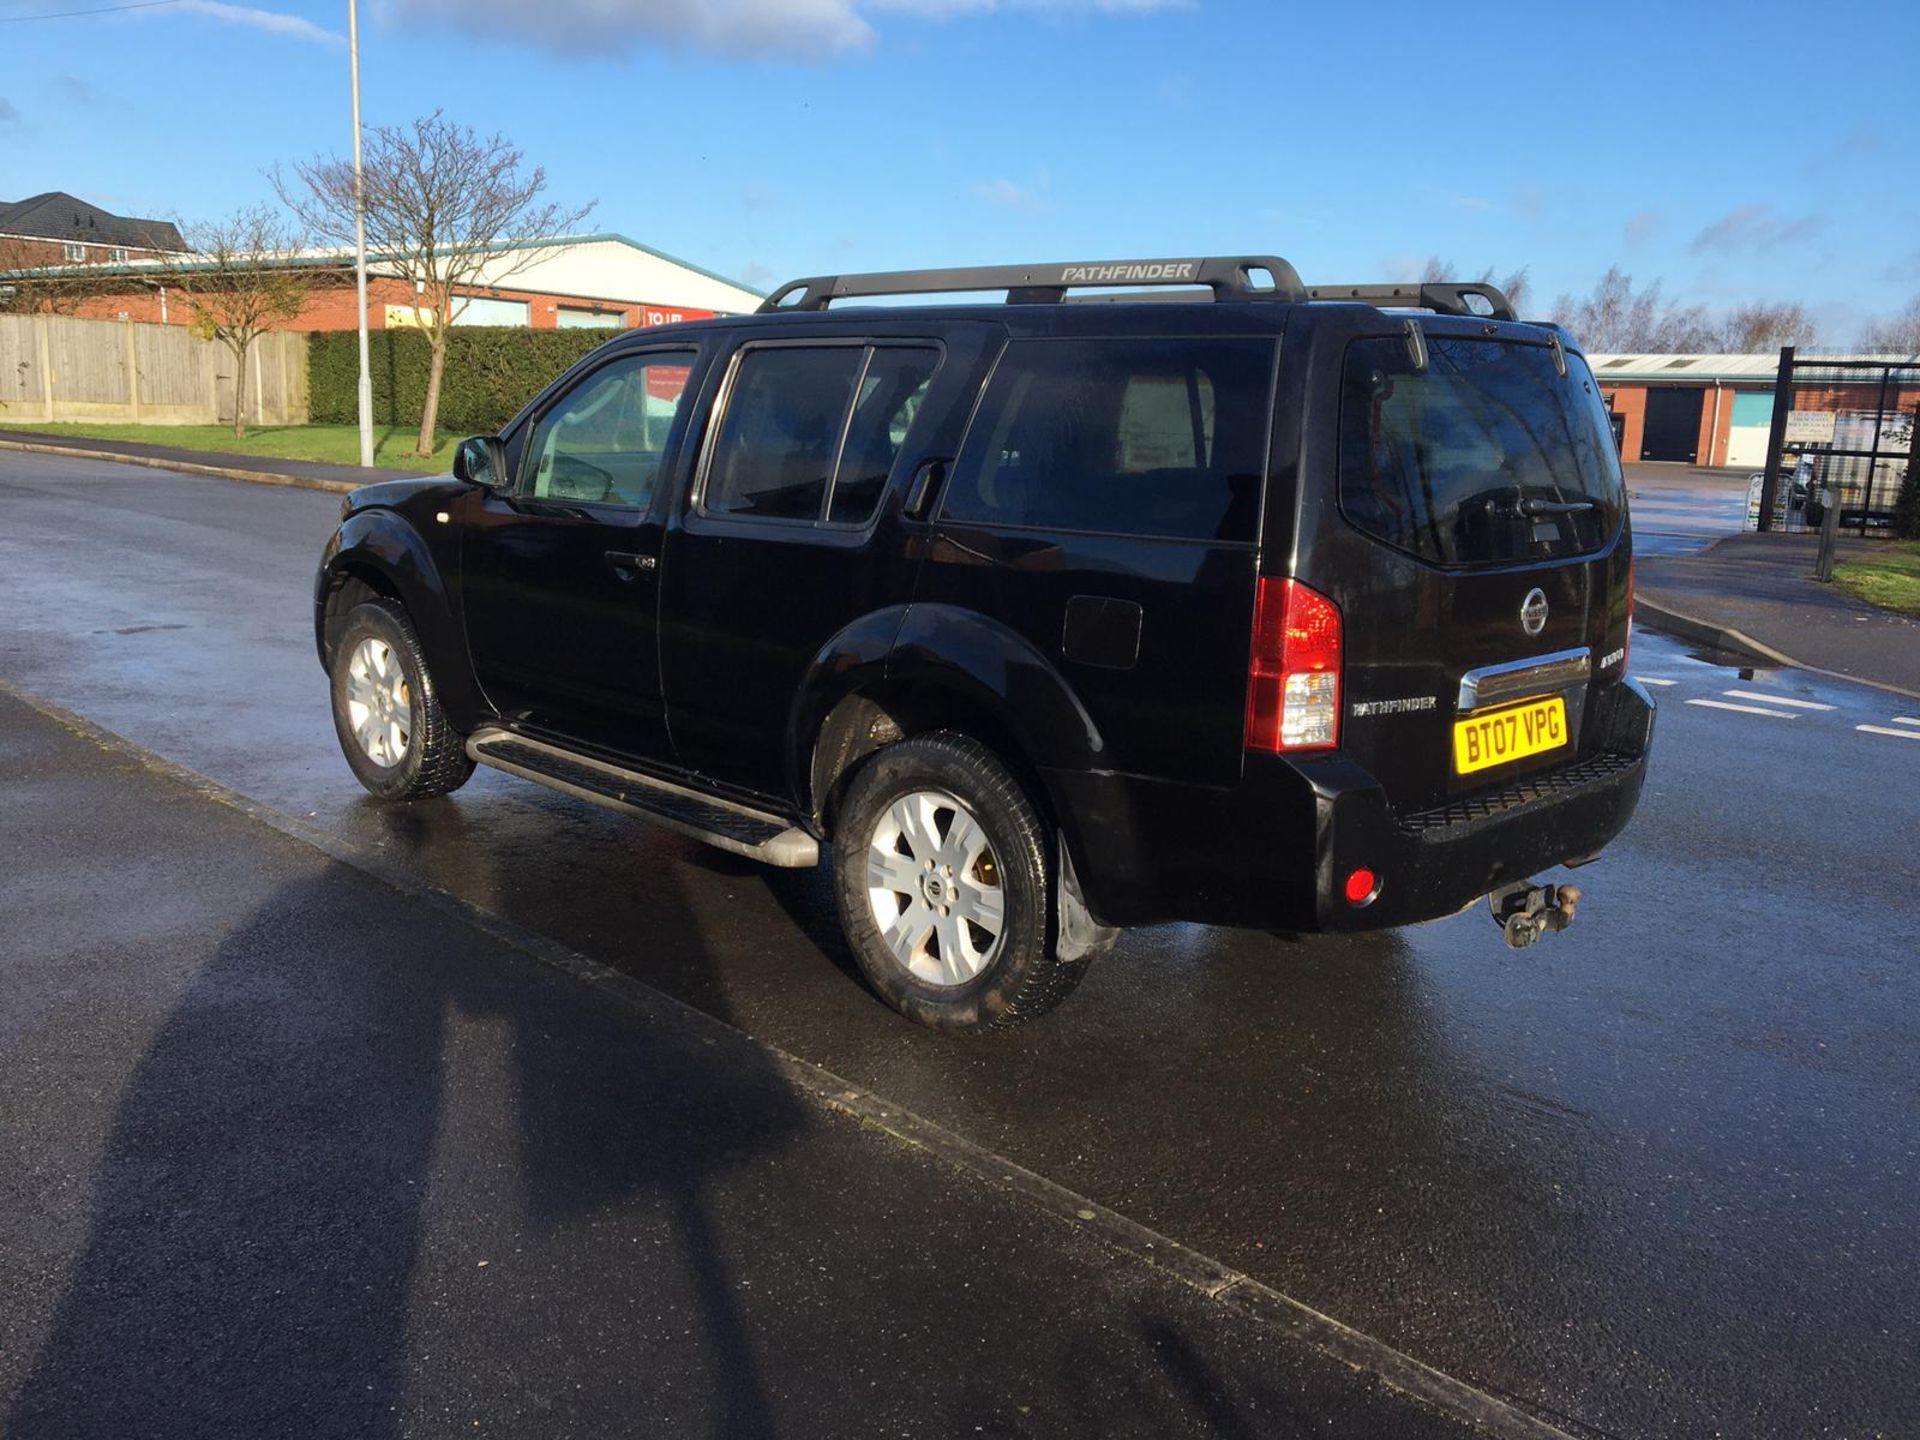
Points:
(1678, 623)
(189, 467)
(1261, 1304)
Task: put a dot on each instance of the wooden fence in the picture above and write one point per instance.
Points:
(54, 368)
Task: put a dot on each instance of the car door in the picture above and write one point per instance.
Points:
(785, 540)
(560, 567)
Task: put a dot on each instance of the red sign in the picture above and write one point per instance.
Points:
(656, 315)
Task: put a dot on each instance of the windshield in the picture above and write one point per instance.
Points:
(1488, 456)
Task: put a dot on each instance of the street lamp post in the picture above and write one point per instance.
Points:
(360, 240)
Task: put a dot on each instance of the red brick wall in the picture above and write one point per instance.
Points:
(1630, 401)
(22, 252)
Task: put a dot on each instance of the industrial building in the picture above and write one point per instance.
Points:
(1693, 409)
(600, 281)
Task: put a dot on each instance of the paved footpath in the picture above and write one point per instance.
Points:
(1762, 587)
(264, 469)
(290, 1152)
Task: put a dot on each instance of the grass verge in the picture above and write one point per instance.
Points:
(333, 444)
(1889, 578)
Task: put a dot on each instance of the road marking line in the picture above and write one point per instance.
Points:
(1745, 709)
(1653, 680)
(1264, 1305)
(1889, 730)
(1776, 699)
(1905, 720)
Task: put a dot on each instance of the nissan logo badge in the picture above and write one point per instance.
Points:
(1533, 611)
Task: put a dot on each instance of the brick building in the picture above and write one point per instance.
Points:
(60, 229)
(1699, 409)
(601, 281)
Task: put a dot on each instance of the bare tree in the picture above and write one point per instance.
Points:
(1616, 318)
(244, 276)
(1764, 326)
(440, 201)
(1897, 334)
(1514, 286)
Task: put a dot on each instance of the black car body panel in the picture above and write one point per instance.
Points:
(760, 656)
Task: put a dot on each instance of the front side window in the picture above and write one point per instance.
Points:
(1487, 456)
(1157, 437)
(605, 441)
(811, 432)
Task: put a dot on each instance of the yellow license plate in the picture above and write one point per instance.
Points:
(1499, 737)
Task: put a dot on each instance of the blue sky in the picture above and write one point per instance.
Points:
(769, 138)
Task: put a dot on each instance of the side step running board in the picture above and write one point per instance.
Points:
(754, 833)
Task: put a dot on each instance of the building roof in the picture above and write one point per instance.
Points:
(57, 215)
(589, 267)
(1728, 369)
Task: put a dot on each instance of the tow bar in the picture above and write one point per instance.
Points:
(1526, 911)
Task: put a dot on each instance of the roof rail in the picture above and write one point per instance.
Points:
(1443, 297)
(1228, 277)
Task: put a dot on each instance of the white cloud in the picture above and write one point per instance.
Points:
(1007, 195)
(1754, 227)
(272, 21)
(784, 29)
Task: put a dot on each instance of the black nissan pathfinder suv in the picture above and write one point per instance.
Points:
(1294, 609)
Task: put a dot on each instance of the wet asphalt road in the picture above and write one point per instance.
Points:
(1657, 1177)
(1681, 509)
(300, 1154)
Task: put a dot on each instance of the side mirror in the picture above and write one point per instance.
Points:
(480, 460)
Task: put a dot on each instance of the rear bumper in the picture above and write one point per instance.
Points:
(1273, 851)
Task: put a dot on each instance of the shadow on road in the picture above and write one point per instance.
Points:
(332, 1081)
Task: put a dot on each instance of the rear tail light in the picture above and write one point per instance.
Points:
(1293, 679)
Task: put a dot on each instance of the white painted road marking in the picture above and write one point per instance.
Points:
(1745, 709)
(1905, 720)
(1654, 680)
(1776, 699)
(1889, 730)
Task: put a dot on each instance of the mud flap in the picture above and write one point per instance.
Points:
(1077, 935)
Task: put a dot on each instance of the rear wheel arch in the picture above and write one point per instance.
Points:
(869, 720)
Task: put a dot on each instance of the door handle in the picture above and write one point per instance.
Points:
(629, 566)
(924, 489)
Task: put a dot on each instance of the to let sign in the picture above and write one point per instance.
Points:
(1810, 427)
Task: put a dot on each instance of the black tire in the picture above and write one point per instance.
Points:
(434, 760)
(1023, 975)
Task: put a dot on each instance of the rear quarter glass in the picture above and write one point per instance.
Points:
(1161, 438)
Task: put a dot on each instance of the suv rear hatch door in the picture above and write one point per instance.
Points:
(1483, 563)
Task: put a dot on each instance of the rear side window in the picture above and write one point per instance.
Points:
(889, 397)
(812, 432)
(776, 446)
(1486, 457)
(1162, 438)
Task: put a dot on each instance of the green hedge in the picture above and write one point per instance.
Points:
(491, 372)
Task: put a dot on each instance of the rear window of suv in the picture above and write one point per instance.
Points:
(1488, 456)
(1159, 437)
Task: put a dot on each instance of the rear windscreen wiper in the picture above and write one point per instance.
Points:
(1553, 507)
